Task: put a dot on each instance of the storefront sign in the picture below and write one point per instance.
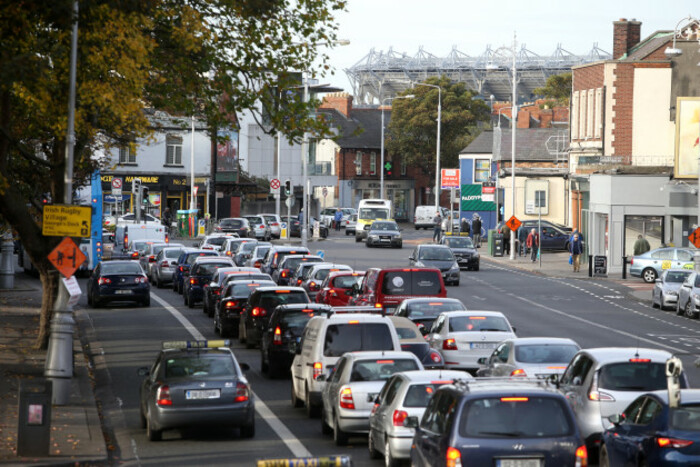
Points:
(472, 199)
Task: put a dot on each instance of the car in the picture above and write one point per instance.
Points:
(423, 311)
(464, 337)
(351, 224)
(234, 298)
(137, 248)
(259, 252)
(131, 218)
(651, 264)
(317, 274)
(194, 384)
(535, 223)
(212, 291)
(276, 254)
(688, 303)
(428, 255)
(199, 276)
(412, 341)
(464, 251)
(259, 228)
(328, 215)
(405, 394)
(289, 264)
(184, 262)
(232, 246)
(165, 265)
(352, 387)
(281, 334)
(337, 287)
(237, 225)
(243, 252)
(295, 228)
(554, 238)
(215, 241)
(118, 281)
(497, 423)
(603, 381)
(384, 233)
(666, 287)
(261, 302)
(148, 256)
(650, 432)
(301, 274)
(538, 357)
(275, 223)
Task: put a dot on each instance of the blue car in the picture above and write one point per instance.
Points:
(184, 262)
(651, 264)
(199, 276)
(649, 432)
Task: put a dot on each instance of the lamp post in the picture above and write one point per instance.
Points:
(381, 158)
(437, 150)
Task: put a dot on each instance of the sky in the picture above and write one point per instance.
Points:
(470, 26)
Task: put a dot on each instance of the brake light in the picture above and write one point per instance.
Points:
(151, 259)
(282, 291)
(104, 280)
(632, 261)
(207, 247)
(215, 290)
(640, 360)
(595, 395)
(449, 344)
(673, 443)
(354, 321)
(346, 401)
(242, 392)
(258, 311)
(164, 264)
(126, 239)
(231, 304)
(181, 269)
(298, 281)
(318, 369)
(518, 372)
(377, 305)
(141, 279)
(313, 286)
(193, 281)
(399, 417)
(581, 456)
(515, 399)
(435, 303)
(477, 317)
(556, 368)
(135, 254)
(277, 339)
(453, 457)
(228, 253)
(284, 273)
(167, 238)
(257, 264)
(435, 356)
(163, 396)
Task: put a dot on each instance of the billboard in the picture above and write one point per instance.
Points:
(449, 178)
(687, 137)
(472, 199)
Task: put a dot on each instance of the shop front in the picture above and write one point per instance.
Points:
(399, 192)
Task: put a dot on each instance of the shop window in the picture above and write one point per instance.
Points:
(127, 155)
(373, 164)
(173, 153)
(649, 227)
(358, 163)
(481, 170)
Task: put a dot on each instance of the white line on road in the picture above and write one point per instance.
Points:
(292, 442)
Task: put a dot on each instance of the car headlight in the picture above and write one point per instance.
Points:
(672, 294)
(455, 267)
(476, 255)
(373, 237)
(696, 297)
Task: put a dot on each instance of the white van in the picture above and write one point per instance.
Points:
(424, 215)
(324, 341)
(130, 232)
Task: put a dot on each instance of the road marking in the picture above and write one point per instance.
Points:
(292, 442)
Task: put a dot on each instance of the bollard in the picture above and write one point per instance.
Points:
(624, 267)
(34, 422)
(590, 265)
(59, 359)
(7, 270)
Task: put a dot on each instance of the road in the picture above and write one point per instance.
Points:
(122, 338)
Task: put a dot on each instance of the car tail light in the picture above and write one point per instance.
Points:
(640, 360)
(215, 290)
(141, 279)
(167, 238)
(453, 457)
(449, 344)
(581, 456)
(298, 281)
(164, 264)
(181, 268)
(515, 399)
(632, 261)
(257, 264)
(207, 247)
(274, 224)
(104, 280)
(318, 369)
(346, 401)
(595, 395)
(284, 273)
(377, 305)
(163, 396)
(217, 228)
(313, 286)
(152, 259)
(435, 356)
(258, 311)
(673, 443)
(193, 281)
(277, 339)
(242, 392)
(135, 254)
(399, 417)
(230, 304)
(518, 372)
(126, 240)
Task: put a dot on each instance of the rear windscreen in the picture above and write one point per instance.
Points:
(172, 253)
(411, 283)
(193, 257)
(350, 337)
(380, 369)
(297, 319)
(432, 308)
(418, 395)
(209, 269)
(218, 241)
(270, 300)
(478, 323)
(515, 417)
(537, 353)
(633, 376)
(686, 417)
(235, 223)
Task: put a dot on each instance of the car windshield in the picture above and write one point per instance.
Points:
(121, 268)
(677, 276)
(350, 337)
(141, 246)
(193, 257)
(436, 254)
(293, 263)
(515, 417)
(686, 417)
(418, 395)
(218, 241)
(247, 247)
(235, 246)
(348, 211)
(157, 248)
(384, 226)
(374, 213)
(270, 300)
(478, 323)
(235, 223)
(545, 353)
(262, 251)
(380, 369)
(422, 308)
(201, 364)
(459, 242)
(346, 282)
(633, 376)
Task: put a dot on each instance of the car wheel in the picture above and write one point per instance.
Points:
(184, 297)
(146, 301)
(296, 402)
(96, 302)
(679, 308)
(368, 244)
(389, 460)
(373, 452)
(339, 436)
(152, 433)
(476, 268)
(456, 283)
(248, 431)
(159, 283)
(217, 326)
(190, 300)
(248, 343)
(241, 335)
(357, 239)
(400, 245)
(603, 459)
(89, 299)
(311, 410)
(689, 313)
(326, 429)
(417, 228)
(649, 275)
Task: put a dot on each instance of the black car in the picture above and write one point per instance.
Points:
(295, 228)
(199, 276)
(290, 264)
(113, 281)
(184, 262)
(259, 307)
(285, 327)
(464, 250)
(234, 298)
(440, 257)
(237, 225)
(384, 233)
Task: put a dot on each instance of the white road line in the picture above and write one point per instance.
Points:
(292, 442)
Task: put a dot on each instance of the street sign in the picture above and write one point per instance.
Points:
(73, 289)
(61, 220)
(695, 237)
(275, 186)
(66, 257)
(116, 187)
(324, 191)
(513, 223)
(450, 178)
(488, 192)
(289, 202)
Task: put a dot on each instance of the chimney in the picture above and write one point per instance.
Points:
(626, 34)
(340, 101)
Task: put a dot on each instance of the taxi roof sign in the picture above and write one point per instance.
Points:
(59, 220)
(331, 461)
(200, 344)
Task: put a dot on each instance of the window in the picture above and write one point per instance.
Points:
(540, 199)
(589, 114)
(574, 115)
(576, 373)
(173, 153)
(481, 170)
(598, 113)
(127, 155)
(358, 163)
(373, 164)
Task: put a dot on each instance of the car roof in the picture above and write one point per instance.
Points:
(280, 249)
(431, 299)
(279, 287)
(433, 245)
(451, 314)
(213, 259)
(346, 273)
(361, 317)
(485, 387)
(426, 376)
(604, 355)
(374, 354)
(288, 257)
(305, 306)
(331, 266)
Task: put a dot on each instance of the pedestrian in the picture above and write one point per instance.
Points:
(301, 215)
(533, 243)
(437, 227)
(505, 230)
(522, 240)
(337, 219)
(575, 232)
(576, 249)
(464, 227)
(476, 231)
(641, 246)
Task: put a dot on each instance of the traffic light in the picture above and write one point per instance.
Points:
(144, 194)
(287, 187)
(388, 168)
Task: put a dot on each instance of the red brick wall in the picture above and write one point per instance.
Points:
(340, 101)
(623, 96)
(589, 77)
(626, 34)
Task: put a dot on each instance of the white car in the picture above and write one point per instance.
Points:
(215, 241)
(464, 337)
(537, 357)
(275, 224)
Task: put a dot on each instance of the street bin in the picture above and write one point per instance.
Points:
(34, 423)
(498, 244)
(181, 216)
(59, 358)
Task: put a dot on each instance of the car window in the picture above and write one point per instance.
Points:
(297, 319)
(419, 282)
(436, 254)
(478, 323)
(418, 395)
(662, 254)
(407, 333)
(697, 280)
(676, 276)
(684, 255)
(421, 309)
(346, 282)
(633, 376)
(218, 241)
(270, 300)
(381, 368)
(459, 242)
(389, 391)
(200, 365)
(208, 269)
(121, 268)
(349, 337)
(632, 412)
(338, 370)
(686, 417)
(649, 412)
(440, 417)
(577, 370)
(172, 253)
(232, 223)
(549, 353)
(193, 257)
(502, 352)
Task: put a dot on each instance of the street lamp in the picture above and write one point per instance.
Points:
(381, 158)
(437, 150)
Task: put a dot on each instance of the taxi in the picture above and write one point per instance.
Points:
(195, 383)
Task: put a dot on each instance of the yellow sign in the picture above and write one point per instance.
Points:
(66, 221)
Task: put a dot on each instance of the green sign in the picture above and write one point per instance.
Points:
(471, 199)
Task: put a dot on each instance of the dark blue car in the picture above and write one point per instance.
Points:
(199, 276)
(118, 281)
(649, 432)
(184, 262)
(497, 423)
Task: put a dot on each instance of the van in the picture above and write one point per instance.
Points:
(387, 288)
(127, 233)
(424, 215)
(324, 341)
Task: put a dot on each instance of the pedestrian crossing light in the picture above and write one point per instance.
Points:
(287, 187)
(388, 169)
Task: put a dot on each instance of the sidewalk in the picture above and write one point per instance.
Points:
(76, 430)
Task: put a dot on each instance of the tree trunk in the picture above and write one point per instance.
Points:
(49, 291)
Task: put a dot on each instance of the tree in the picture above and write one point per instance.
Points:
(556, 89)
(412, 131)
(212, 58)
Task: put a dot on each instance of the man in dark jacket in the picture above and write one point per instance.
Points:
(437, 229)
(576, 249)
(476, 230)
(464, 227)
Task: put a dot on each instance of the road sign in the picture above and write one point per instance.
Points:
(289, 202)
(450, 178)
(61, 220)
(324, 191)
(116, 186)
(275, 184)
(513, 223)
(695, 237)
(73, 289)
(66, 257)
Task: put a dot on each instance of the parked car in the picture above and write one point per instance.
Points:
(651, 264)
(423, 311)
(295, 228)
(424, 215)
(234, 298)
(463, 249)
(666, 288)
(165, 265)
(439, 257)
(688, 303)
(537, 357)
(384, 233)
(351, 224)
(261, 302)
(236, 225)
(259, 228)
(275, 223)
(412, 341)
(337, 289)
(118, 281)
(199, 276)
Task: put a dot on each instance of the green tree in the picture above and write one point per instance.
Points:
(212, 58)
(412, 131)
(557, 90)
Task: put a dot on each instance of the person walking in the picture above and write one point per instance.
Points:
(464, 227)
(641, 246)
(476, 230)
(445, 227)
(522, 240)
(576, 249)
(437, 227)
(505, 230)
(337, 219)
(533, 243)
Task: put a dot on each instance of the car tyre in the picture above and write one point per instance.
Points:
(476, 268)
(400, 245)
(603, 459)
(296, 402)
(389, 460)
(689, 313)
(373, 452)
(264, 367)
(152, 433)
(312, 411)
(248, 431)
(649, 275)
(653, 303)
(89, 299)
(326, 429)
(456, 283)
(339, 436)
(190, 301)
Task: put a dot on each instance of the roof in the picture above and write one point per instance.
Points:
(530, 144)
(622, 354)
(482, 144)
(542, 340)
(471, 313)
(362, 129)
(648, 45)
(425, 376)
(431, 299)
(373, 354)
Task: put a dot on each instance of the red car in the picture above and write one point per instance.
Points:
(334, 290)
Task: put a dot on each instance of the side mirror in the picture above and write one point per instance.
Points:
(514, 329)
(554, 379)
(410, 422)
(143, 371)
(615, 419)
(244, 366)
(321, 378)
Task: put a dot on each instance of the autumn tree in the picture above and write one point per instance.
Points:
(556, 91)
(412, 131)
(212, 58)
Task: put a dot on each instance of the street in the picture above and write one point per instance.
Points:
(595, 313)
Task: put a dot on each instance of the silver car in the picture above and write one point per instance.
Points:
(318, 274)
(259, 252)
(165, 264)
(689, 296)
(352, 387)
(665, 291)
(651, 264)
(275, 224)
(148, 258)
(259, 228)
(534, 357)
(404, 395)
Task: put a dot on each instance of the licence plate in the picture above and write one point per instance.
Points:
(122, 292)
(203, 394)
(518, 463)
(385, 239)
(482, 345)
